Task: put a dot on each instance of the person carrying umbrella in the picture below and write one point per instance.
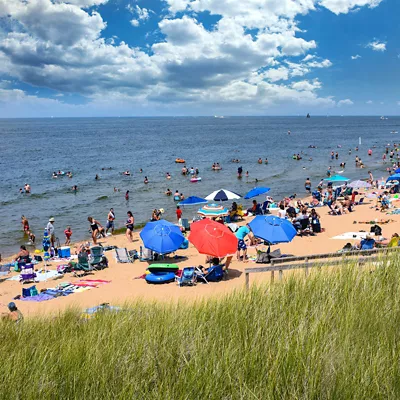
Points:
(241, 234)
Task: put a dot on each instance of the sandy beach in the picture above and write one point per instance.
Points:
(124, 287)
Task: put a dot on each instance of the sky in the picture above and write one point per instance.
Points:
(88, 58)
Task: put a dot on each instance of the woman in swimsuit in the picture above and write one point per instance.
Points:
(96, 228)
(25, 224)
(129, 226)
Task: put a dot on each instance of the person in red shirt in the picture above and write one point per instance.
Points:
(178, 213)
(68, 234)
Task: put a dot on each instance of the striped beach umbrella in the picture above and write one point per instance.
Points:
(213, 210)
(222, 195)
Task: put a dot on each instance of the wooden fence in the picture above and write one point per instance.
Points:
(330, 259)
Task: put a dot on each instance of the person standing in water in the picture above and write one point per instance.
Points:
(307, 185)
(127, 195)
(240, 171)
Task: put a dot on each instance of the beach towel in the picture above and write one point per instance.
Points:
(38, 298)
(352, 236)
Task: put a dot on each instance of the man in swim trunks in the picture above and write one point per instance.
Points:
(51, 231)
(14, 315)
(110, 221)
(241, 233)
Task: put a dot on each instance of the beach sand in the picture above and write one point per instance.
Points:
(123, 288)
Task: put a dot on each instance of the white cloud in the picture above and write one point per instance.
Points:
(369, 102)
(356, 57)
(134, 22)
(307, 85)
(277, 74)
(345, 102)
(344, 6)
(377, 45)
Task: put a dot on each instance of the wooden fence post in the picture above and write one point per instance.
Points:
(280, 275)
(306, 269)
(272, 276)
(247, 276)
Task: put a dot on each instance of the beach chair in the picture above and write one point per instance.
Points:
(361, 201)
(97, 258)
(82, 267)
(367, 244)
(27, 273)
(122, 255)
(146, 254)
(214, 274)
(188, 277)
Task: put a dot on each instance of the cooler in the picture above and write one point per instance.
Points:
(64, 252)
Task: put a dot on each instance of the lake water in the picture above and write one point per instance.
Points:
(31, 149)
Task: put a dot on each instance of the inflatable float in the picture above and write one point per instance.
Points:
(193, 180)
(180, 161)
(163, 268)
(158, 278)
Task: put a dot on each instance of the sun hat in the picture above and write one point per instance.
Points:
(161, 210)
(51, 219)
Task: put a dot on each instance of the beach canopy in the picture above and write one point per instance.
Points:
(212, 238)
(213, 210)
(273, 229)
(162, 236)
(192, 201)
(359, 184)
(395, 177)
(256, 192)
(222, 195)
(336, 178)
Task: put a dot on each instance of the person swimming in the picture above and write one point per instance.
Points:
(97, 177)
(168, 176)
(54, 175)
(168, 192)
(260, 161)
(127, 172)
(127, 195)
(240, 171)
(146, 181)
(75, 188)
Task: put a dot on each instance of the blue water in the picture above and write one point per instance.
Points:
(31, 149)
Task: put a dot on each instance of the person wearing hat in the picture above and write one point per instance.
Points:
(14, 314)
(50, 231)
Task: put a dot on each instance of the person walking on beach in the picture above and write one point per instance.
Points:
(307, 185)
(68, 234)
(241, 234)
(96, 228)
(51, 231)
(110, 221)
(130, 222)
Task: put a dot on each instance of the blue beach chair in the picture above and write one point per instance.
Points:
(188, 277)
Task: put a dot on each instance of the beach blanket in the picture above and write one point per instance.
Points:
(41, 277)
(397, 211)
(38, 298)
(352, 236)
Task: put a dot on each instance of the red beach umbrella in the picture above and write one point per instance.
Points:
(212, 238)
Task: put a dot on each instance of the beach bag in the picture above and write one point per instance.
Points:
(262, 257)
(377, 230)
(28, 292)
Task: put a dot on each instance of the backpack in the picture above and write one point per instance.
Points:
(377, 230)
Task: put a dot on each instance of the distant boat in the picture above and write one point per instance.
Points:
(394, 132)
(308, 116)
(383, 118)
(219, 116)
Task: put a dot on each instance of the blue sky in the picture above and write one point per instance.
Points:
(199, 57)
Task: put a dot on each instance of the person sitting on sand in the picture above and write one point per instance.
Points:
(168, 192)
(23, 255)
(14, 315)
(366, 244)
(96, 228)
(130, 226)
(282, 211)
(392, 242)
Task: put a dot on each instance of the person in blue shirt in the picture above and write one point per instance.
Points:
(241, 234)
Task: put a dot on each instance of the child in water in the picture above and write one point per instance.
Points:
(68, 234)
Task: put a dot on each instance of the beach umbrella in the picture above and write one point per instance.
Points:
(192, 201)
(359, 184)
(397, 171)
(213, 210)
(273, 229)
(212, 238)
(256, 192)
(222, 195)
(336, 178)
(395, 177)
(162, 236)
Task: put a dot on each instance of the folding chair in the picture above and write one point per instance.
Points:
(122, 255)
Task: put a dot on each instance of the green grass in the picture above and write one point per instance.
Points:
(330, 336)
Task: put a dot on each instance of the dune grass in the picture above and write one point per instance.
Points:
(330, 336)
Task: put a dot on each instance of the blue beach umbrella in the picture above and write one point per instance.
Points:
(272, 229)
(192, 201)
(395, 177)
(397, 171)
(256, 192)
(162, 236)
(336, 178)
